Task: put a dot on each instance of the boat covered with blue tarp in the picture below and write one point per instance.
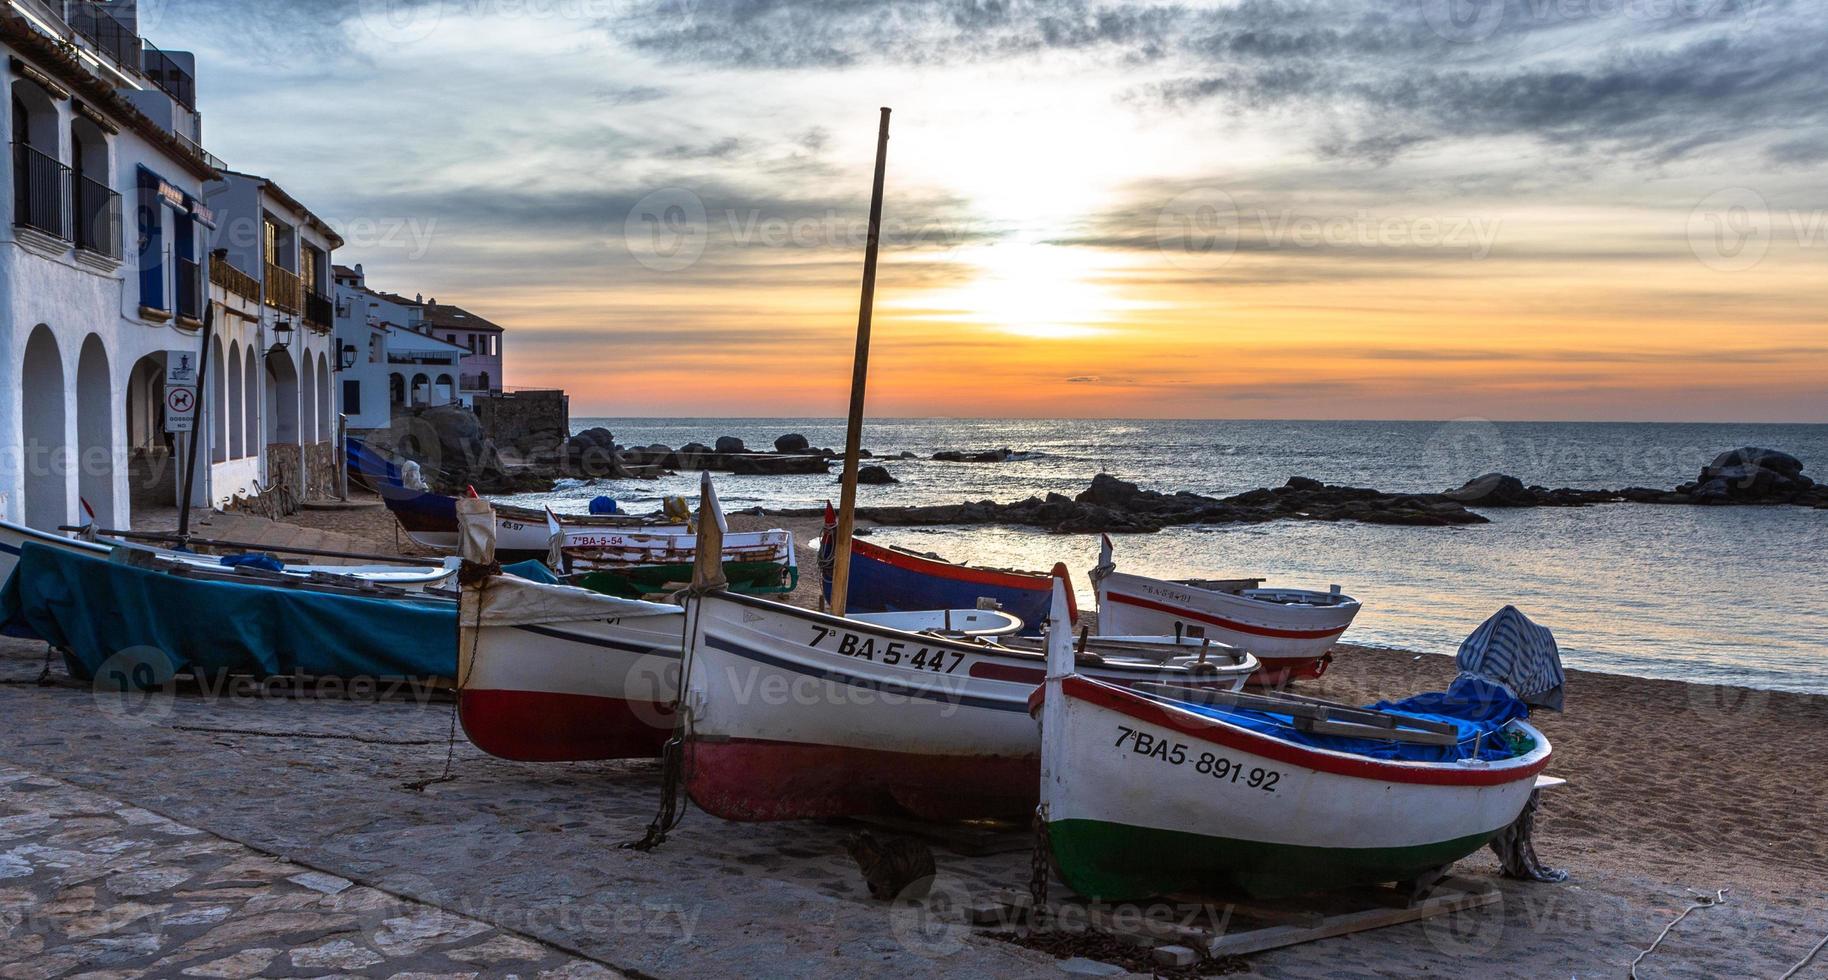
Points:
(94, 608)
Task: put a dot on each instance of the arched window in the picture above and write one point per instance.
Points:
(396, 389)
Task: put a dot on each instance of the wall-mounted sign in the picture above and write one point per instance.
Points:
(180, 368)
(180, 409)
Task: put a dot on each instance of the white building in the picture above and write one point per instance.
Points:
(286, 399)
(410, 352)
(101, 251)
(103, 280)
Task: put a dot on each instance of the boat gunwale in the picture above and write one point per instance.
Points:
(954, 571)
(1024, 657)
(1169, 715)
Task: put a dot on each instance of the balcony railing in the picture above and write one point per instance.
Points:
(40, 192)
(190, 289)
(285, 290)
(320, 310)
(234, 280)
(164, 72)
(109, 35)
(98, 217)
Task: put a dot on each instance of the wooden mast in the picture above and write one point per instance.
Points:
(853, 434)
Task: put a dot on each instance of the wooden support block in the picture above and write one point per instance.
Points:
(1175, 956)
(1276, 937)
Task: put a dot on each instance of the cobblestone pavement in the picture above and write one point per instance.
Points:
(168, 834)
(92, 887)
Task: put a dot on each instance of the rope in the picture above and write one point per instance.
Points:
(326, 735)
(470, 575)
(672, 757)
(1702, 902)
(1805, 960)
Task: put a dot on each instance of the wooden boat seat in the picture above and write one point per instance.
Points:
(1233, 585)
(1319, 717)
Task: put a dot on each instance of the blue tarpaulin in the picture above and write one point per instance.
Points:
(1477, 709)
(94, 608)
(532, 570)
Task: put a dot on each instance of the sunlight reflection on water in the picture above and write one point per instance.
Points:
(1722, 595)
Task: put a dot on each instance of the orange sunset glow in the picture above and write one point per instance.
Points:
(1149, 215)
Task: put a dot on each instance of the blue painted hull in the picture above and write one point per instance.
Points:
(879, 585)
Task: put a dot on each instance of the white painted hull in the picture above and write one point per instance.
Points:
(599, 690)
(796, 714)
(1264, 813)
(1285, 635)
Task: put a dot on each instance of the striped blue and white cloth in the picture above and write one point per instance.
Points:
(1511, 650)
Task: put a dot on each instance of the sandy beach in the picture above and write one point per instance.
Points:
(1671, 787)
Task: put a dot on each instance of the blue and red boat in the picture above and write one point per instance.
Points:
(895, 580)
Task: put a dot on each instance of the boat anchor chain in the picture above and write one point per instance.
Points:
(1041, 862)
(672, 771)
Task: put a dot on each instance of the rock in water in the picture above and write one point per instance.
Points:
(1771, 459)
(1493, 490)
(792, 442)
(875, 475)
(729, 444)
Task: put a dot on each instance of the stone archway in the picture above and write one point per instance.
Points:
(307, 383)
(96, 461)
(152, 463)
(326, 409)
(282, 399)
(234, 411)
(42, 401)
(250, 379)
(217, 404)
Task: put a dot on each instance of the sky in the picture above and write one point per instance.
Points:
(1416, 209)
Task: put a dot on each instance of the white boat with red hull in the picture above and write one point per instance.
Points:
(795, 714)
(1289, 630)
(568, 689)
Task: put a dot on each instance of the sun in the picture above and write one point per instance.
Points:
(1030, 290)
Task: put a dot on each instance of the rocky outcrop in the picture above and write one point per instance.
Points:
(1755, 476)
(729, 444)
(875, 476)
(986, 456)
(1111, 504)
(1743, 476)
(792, 442)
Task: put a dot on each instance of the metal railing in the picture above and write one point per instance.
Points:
(40, 192)
(232, 279)
(109, 35)
(320, 310)
(98, 217)
(166, 73)
(190, 289)
(285, 290)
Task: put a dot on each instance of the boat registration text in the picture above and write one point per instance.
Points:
(1206, 763)
(893, 653)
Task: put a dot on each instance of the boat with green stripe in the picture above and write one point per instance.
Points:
(1153, 791)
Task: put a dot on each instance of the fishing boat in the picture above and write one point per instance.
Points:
(796, 714)
(13, 537)
(167, 616)
(430, 519)
(1289, 630)
(650, 561)
(1159, 789)
(553, 673)
(888, 579)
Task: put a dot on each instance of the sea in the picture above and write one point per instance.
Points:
(1719, 596)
